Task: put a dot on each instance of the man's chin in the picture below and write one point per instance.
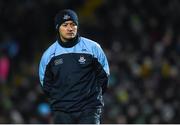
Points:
(70, 38)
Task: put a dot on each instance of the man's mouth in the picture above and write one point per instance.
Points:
(70, 33)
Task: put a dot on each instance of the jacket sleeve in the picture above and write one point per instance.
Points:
(45, 75)
(101, 68)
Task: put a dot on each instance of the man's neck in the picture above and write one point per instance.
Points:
(68, 43)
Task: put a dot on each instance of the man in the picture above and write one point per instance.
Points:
(74, 74)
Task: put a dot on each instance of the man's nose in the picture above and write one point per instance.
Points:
(70, 27)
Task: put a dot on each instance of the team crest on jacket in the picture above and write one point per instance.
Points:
(82, 60)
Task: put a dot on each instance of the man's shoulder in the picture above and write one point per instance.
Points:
(89, 42)
(50, 50)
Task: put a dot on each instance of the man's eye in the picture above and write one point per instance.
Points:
(73, 24)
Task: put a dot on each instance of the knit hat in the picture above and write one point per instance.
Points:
(65, 15)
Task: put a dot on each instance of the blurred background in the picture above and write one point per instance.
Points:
(140, 38)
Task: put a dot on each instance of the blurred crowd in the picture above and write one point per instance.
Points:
(141, 40)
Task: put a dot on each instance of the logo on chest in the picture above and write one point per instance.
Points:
(82, 60)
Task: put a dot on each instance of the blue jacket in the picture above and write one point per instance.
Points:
(74, 77)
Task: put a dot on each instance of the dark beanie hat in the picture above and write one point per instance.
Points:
(65, 15)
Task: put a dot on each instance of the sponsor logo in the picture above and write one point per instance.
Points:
(83, 50)
(58, 62)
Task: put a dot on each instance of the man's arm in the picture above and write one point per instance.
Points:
(102, 68)
(45, 75)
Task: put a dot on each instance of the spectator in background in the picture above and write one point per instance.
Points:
(4, 67)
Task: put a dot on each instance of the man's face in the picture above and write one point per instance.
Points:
(67, 31)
